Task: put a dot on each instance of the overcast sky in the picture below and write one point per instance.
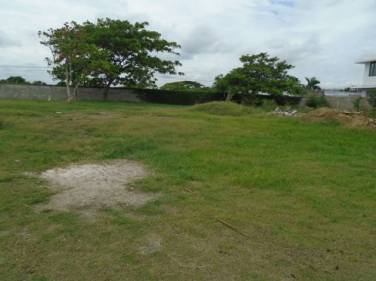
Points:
(322, 38)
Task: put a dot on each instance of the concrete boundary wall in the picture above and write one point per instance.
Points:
(347, 102)
(55, 93)
(59, 93)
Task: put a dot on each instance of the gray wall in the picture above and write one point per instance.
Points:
(122, 94)
(347, 102)
(59, 93)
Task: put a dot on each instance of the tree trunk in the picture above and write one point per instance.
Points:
(69, 97)
(229, 97)
(75, 91)
(67, 83)
(106, 90)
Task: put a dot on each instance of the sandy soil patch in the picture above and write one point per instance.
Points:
(94, 186)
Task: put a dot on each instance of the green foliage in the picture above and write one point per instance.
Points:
(268, 105)
(108, 53)
(315, 100)
(371, 97)
(358, 103)
(39, 83)
(181, 98)
(182, 86)
(133, 53)
(18, 80)
(14, 80)
(74, 56)
(313, 84)
(259, 73)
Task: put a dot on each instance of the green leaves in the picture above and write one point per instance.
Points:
(259, 73)
(313, 84)
(108, 53)
(191, 86)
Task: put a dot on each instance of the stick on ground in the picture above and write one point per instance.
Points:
(233, 228)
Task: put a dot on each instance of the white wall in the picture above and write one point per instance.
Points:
(367, 80)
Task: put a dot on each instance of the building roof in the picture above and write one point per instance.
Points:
(366, 60)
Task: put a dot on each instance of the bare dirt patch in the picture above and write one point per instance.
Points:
(350, 120)
(90, 187)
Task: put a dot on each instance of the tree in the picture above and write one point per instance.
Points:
(313, 84)
(259, 73)
(15, 80)
(74, 58)
(108, 53)
(39, 83)
(18, 80)
(133, 54)
(185, 86)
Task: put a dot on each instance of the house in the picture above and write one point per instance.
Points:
(369, 78)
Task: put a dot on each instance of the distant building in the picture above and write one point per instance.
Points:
(369, 78)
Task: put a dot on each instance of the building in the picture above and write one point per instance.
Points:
(369, 78)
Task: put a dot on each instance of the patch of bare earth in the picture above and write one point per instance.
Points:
(90, 187)
(347, 119)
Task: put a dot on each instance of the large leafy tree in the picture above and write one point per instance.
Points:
(134, 54)
(259, 73)
(108, 53)
(185, 86)
(74, 57)
(15, 80)
(19, 80)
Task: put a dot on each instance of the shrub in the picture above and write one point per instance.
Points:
(315, 100)
(371, 97)
(268, 105)
(179, 98)
(358, 104)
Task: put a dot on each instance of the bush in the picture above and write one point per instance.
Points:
(315, 100)
(371, 96)
(179, 98)
(261, 100)
(358, 104)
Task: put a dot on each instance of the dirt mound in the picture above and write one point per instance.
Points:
(350, 120)
(222, 108)
(94, 186)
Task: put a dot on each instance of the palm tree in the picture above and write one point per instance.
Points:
(313, 84)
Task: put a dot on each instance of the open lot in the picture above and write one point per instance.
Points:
(239, 196)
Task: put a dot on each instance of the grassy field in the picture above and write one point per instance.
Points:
(247, 197)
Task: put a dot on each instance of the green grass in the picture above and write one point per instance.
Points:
(304, 195)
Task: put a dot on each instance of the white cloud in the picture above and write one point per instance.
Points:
(321, 38)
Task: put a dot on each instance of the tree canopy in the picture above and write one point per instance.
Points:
(313, 84)
(185, 86)
(19, 80)
(259, 73)
(108, 53)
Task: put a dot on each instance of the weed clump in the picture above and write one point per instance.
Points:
(223, 108)
(315, 100)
